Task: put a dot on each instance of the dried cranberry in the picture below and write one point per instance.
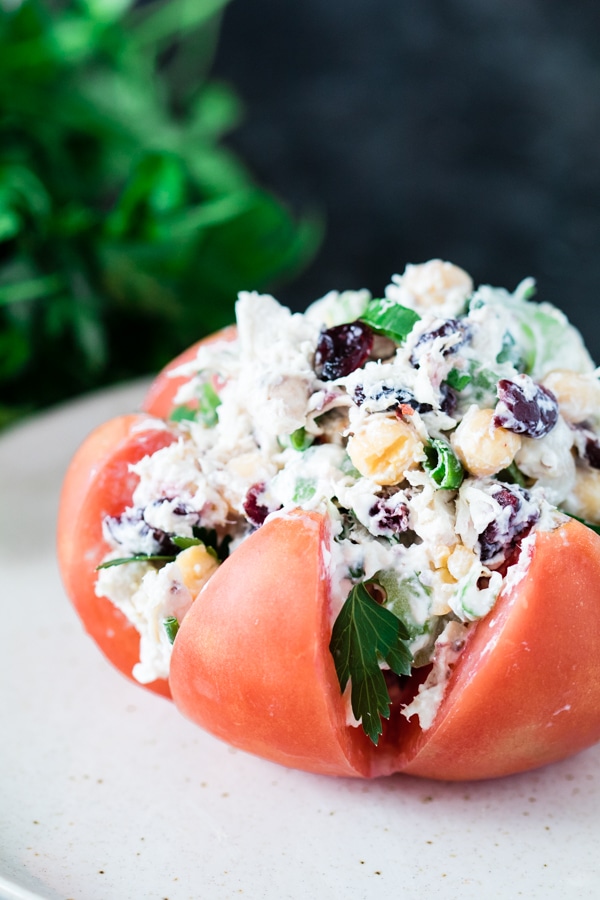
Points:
(395, 395)
(256, 512)
(131, 531)
(388, 517)
(448, 398)
(592, 452)
(525, 407)
(448, 328)
(587, 443)
(342, 349)
(500, 538)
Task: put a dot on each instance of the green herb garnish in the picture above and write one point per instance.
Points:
(183, 414)
(512, 475)
(208, 405)
(390, 319)
(210, 539)
(457, 379)
(202, 536)
(298, 440)
(365, 633)
(184, 542)
(136, 557)
(304, 489)
(171, 626)
(442, 465)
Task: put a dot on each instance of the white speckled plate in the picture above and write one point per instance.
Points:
(107, 792)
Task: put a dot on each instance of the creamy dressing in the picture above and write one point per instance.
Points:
(358, 448)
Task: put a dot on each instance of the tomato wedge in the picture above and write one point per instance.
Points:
(99, 483)
(251, 664)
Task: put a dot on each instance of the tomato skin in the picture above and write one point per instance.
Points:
(526, 689)
(160, 399)
(98, 483)
(251, 662)
(251, 665)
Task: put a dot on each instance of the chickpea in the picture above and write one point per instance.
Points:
(196, 565)
(482, 448)
(384, 448)
(584, 500)
(460, 561)
(434, 282)
(578, 394)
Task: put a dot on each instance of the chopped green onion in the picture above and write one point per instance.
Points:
(297, 440)
(442, 464)
(304, 489)
(171, 626)
(209, 403)
(390, 319)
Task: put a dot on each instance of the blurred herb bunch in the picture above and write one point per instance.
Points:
(126, 226)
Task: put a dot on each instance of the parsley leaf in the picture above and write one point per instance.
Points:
(457, 379)
(209, 537)
(136, 557)
(363, 634)
(390, 319)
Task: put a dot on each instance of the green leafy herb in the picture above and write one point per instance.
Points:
(136, 557)
(304, 489)
(127, 226)
(210, 539)
(184, 542)
(443, 465)
(512, 475)
(208, 405)
(587, 524)
(220, 552)
(390, 319)
(299, 440)
(183, 414)
(457, 379)
(171, 626)
(363, 634)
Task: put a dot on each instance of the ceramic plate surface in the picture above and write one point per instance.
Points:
(107, 793)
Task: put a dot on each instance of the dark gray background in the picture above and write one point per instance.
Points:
(465, 129)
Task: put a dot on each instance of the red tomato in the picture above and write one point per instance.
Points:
(526, 689)
(251, 664)
(159, 400)
(251, 661)
(99, 483)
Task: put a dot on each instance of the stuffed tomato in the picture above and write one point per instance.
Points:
(351, 541)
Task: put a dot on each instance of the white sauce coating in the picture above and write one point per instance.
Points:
(279, 435)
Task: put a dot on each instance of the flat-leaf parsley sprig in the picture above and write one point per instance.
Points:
(365, 634)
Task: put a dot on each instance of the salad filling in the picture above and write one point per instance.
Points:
(438, 428)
